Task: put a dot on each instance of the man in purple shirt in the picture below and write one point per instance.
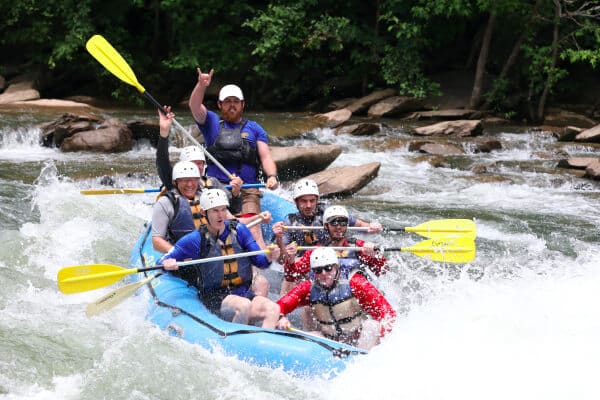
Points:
(240, 145)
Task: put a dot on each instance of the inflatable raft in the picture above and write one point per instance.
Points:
(175, 308)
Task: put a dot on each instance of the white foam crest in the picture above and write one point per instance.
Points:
(77, 229)
(65, 388)
(533, 336)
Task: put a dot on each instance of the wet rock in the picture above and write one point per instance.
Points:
(54, 132)
(567, 118)
(19, 91)
(568, 133)
(486, 145)
(395, 105)
(589, 135)
(365, 129)
(434, 161)
(295, 162)
(593, 170)
(448, 114)
(344, 181)
(441, 149)
(361, 105)
(112, 136)
(459, 128)
(148, 129)
(334, 118)
(576, 162)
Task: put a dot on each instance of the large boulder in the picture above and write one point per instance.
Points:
(459, 128)
(361, 105)
(333, 118)
(439, 149)
(19, 91)
(394, 105)
(297, 161)
(54, 132)
(593, 170)
(50, 104)
(344, 181)
(589, 135)
(577, 162)
(446, 114)
(111, 137)
(363, 129)
(557, 117)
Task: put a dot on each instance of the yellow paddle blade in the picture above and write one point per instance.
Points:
(81, 278)
(111, 191)
(451, 250)
(114, 298)
(445, 228)
(106, 55)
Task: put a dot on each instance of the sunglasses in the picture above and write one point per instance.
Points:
(327, 268)
(338, 222)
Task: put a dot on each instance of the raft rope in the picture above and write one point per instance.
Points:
(335, 351)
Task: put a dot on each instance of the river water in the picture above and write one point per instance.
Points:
(520, 322)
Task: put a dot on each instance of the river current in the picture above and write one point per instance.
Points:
(520, 322)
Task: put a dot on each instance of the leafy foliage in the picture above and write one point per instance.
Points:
(288, 53)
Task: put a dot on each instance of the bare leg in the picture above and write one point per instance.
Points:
(264, 310)
(236, 309)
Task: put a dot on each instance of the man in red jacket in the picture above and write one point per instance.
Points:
(335, 224)
(351, 311)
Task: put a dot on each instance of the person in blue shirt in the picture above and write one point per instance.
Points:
(240, 145)
(224, 286)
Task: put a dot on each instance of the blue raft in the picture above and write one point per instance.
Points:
(175, 308)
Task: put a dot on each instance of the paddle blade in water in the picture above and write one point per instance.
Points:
(81, 278)
(114, 298)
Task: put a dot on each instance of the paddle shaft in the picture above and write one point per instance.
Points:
(110, 59)
(366, 228)
(151, 190)
(129, 271)
(188, 135)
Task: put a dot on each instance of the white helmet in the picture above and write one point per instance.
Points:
(211, 198)
(185, 169)
(230, 91)
(192, 153)
(305, 186)
(335, 212)
(322, 257)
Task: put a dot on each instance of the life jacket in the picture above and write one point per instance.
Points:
(348, 259)
(222, 274)
(308, 237)
(337, 311)
(186, 218)
(231, 146)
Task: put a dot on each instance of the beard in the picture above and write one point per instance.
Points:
(231, 114)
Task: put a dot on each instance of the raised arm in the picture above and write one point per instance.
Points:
(196, 102)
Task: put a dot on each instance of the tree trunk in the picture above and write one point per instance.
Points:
(481, 62)
(512, 57)
(549, 80)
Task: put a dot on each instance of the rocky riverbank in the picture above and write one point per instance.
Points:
(437, 133)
